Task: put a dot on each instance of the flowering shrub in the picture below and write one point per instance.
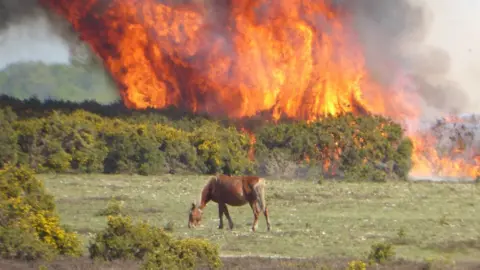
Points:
(123, 239)
(29, 225)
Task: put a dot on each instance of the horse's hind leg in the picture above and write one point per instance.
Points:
(221, 209)
(256, 212)
(267, 219)
(227, 214)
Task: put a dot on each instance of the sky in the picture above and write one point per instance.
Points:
(454, 28)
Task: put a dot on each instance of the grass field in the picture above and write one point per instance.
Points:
(329, 220)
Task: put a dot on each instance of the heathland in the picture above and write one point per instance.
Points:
(337, 188)
(424, 220)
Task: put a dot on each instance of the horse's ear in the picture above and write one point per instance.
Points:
(193, 205)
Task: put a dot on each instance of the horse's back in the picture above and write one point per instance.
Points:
(247, 182)
(235, 190)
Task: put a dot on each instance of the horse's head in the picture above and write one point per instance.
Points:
(194, 216)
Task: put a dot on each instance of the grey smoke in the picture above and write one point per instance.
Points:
(393, 34)
(25, 12)
(15, 11)
(27, 19)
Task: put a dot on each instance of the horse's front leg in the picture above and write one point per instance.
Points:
(253, 205)
(227, 214)
(221, 209)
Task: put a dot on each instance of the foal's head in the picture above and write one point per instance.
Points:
(194, 216)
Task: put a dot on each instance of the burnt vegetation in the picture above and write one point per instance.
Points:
(68, 137)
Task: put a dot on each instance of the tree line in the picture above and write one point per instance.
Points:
(89, 137)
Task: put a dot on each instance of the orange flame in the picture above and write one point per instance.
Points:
(293, 58)
(454, 162)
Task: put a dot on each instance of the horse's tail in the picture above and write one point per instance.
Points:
(260, 191)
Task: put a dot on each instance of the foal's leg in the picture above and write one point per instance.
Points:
(227, 214)
(256, 212)
(221, 209)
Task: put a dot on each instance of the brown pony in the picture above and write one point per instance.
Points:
(234, 191)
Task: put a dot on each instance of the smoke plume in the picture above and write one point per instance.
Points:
(392, 33)
(35, 20)
(15, 12)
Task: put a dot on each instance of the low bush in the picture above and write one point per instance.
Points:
(66, 137)
(114, 208)
(184, 254)
(381, 253)
(29, 225)
(20, 244)
(8, 138)
(357, 265)
(123, 239)
(363, 148)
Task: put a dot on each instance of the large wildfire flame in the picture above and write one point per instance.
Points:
(288, 58)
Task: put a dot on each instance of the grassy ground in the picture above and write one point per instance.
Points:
(331, 220)
(236, 263)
